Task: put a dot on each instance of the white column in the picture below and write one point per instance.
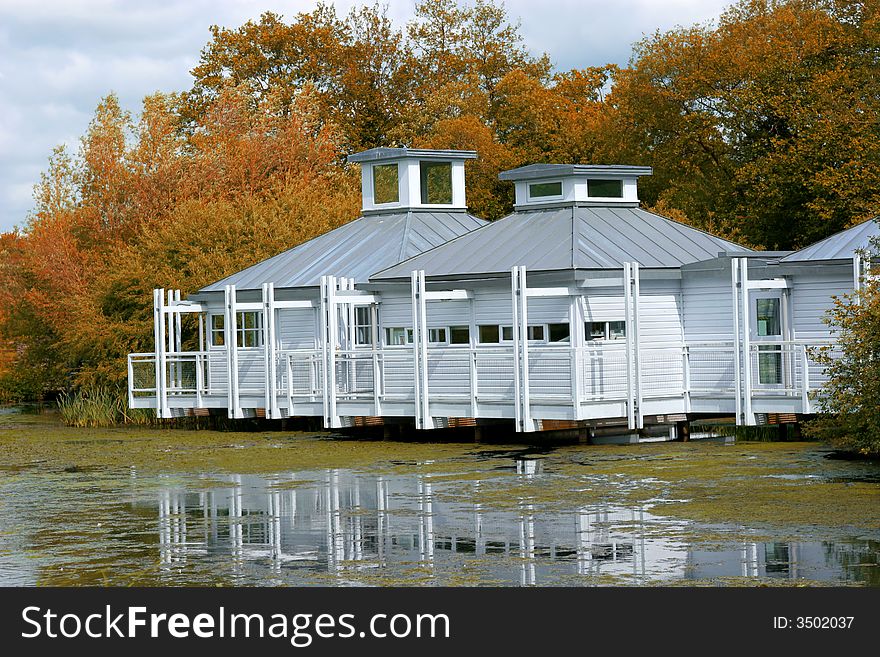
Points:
(421, 400)
(630, 383)
(159, 342)
(746, 342)
(637, 346)
(735, 290)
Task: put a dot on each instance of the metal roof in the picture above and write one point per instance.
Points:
(354, 250)
(568, 238)
(385, 153)
(548, 170)
(839, 246)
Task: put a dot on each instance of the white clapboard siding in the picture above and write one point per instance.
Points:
(493, 306)
(296, 328)
(448, 313)
(708, 318)
(660, 328)
(218, 378)
(395, 310)
(811, 299)
(251, 370)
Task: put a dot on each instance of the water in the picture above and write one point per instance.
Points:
(474, 516)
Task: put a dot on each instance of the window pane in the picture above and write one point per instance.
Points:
(536, 332)
(363, 335)
(217, 322)
(459, 335)
(542, 190)
(595, 330)
(362, 315)
(558, 332)
(395, 336)
(605, 188)
(507, 333)
(769, 365)
(617, 330)
(385, 185)
(489, 334)
(437, 335)
(218, 338)
(768, 317)
(436, 179)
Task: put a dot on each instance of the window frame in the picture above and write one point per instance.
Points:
(424, 168)
(241, 330)
(607, 333)
(547, 197)
(396, 198)
(604, 180)
(359, 326)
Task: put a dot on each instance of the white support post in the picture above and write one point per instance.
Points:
(173, 364)
(746, 342)
(416, 349)
(517, 372)
(520, 293)
(427, 418)
(331, 319)
(270, 402)
(423, 419)
(528, 422)
(159, 347)
(472, 360)
(686, 377)
(735, 291)
(637, 346)
(377, 373)
(857, 273)
(231, 332)
(805, 380)
(324, 331)
(576, 340)
(627, 315)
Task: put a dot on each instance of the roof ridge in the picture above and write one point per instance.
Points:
(401, 254)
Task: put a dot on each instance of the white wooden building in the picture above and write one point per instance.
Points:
(578, 310)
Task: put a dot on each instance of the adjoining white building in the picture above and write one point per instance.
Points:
(578, 310)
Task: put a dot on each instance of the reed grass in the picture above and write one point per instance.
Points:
(98, 407)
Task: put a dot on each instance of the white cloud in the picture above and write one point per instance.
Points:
(58, 58)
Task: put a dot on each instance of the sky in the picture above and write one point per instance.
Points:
(58, 58)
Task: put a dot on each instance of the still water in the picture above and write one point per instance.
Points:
(476, 516)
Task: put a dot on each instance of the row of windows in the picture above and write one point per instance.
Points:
(435, 179)
(595, 189)
(249, 331)
(499, 333)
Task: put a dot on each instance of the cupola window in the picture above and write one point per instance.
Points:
(604, 188)
(546, 189)
(386, 187)
(436, 183)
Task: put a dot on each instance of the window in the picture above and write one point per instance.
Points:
(395, 337)
(605, 330)
(218, 336)
(459, 335)
(604, 188)
(768, 324)
(545, 189)
(437, 335)
(558, 333)
(489, 334)
(767, 317)
(385, 184)
(363, 326)
(249, 329)
(436, 182)
(536, 333)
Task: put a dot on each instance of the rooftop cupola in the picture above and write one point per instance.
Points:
(395, 179)
(554, 185)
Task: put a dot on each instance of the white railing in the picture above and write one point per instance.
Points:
(558, 374)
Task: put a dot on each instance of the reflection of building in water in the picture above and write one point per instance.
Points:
(343, 523)
(777, 560)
